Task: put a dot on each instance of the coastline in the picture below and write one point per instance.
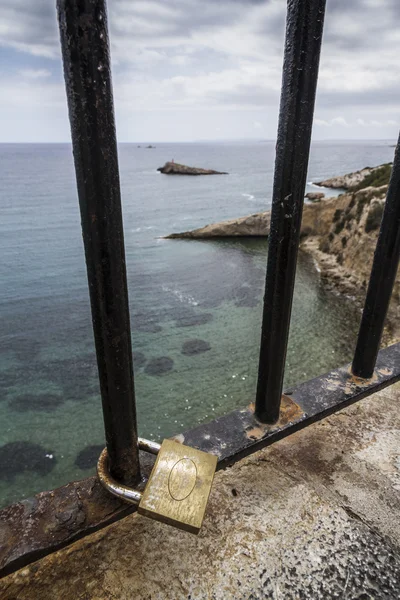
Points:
(339, 233)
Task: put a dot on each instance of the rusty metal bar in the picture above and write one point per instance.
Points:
(300, 73)
(383, 276)
(38, 526)
(85, 50)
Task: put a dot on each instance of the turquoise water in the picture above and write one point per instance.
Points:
(180, 292)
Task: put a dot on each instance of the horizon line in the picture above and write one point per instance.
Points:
(255, 140)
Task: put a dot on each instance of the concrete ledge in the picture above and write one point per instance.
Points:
(314, 516)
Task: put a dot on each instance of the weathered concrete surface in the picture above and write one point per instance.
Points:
(315, 516)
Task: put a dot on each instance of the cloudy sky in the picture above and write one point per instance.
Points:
(186, 70)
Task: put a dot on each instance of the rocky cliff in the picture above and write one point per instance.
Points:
(369, 176)
(342, 240)
(340, 233)
(256, 225)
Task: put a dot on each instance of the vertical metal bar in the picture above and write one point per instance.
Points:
(381, 282)
(85, 49)
(304, 26)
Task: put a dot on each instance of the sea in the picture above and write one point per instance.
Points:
(195, 305)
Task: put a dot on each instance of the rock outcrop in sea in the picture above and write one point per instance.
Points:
(340, 233)
(173, 168)
(314, 196)
(369, 176)
(250, 226)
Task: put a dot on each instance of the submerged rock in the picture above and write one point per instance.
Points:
(148, 327)
(172, 168)
(159, 366)
(25, 348)
(17, 457)
(177, 311)
(146, 321)
(44, 402)
(139, 359)
(88, 457)
(191, 347)
(7, 379)
(246, 297)
(193, 320)
(77, 376)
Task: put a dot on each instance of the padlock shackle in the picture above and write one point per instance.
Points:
(114, 487)
(111, 485)
(149, 446)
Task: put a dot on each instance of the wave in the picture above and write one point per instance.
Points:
(314, 185)
(182, 297)
(143, 228)
(248, 196)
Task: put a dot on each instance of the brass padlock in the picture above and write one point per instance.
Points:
(178, 487)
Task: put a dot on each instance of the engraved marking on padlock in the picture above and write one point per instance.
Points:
(182, 479)
(179, 486)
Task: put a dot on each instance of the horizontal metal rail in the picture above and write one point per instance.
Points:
(34, 528)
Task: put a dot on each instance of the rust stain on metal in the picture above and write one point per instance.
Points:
(348, 382)
(385, 372)
(34, 527)
(332, 383)
(290, 411)
(357, 382)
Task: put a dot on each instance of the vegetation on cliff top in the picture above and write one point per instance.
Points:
(377, 178)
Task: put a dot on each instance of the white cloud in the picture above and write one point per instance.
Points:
(376, 122)
(31, 95)
(336, 121)
(35, 73)
(339, 121)
(217, 56)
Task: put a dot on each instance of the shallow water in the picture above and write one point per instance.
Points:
(180, 291)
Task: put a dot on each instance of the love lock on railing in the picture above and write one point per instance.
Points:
(178, 488)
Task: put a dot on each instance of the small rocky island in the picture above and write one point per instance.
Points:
(173, 168)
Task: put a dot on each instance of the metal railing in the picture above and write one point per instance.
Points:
(87, 72)
(85, 49)
(299, 83)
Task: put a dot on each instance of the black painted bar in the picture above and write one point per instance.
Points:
(300, 73)
(85, 50)
(383, 275)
